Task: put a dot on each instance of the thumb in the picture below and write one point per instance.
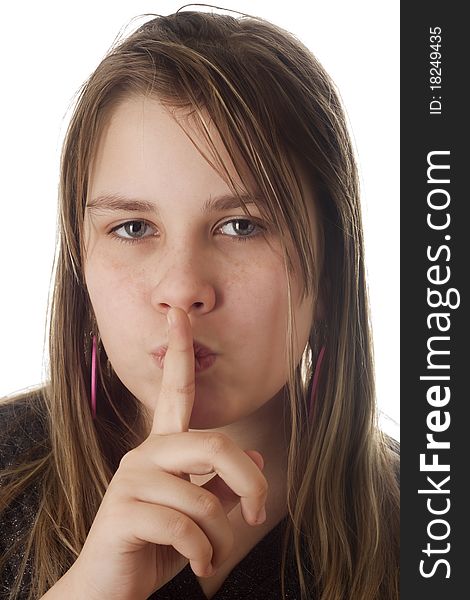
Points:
(226, 495)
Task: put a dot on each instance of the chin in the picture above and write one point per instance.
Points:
(205, 419)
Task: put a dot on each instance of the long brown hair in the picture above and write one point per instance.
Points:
(275, 108)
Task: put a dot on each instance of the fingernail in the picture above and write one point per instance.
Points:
(261, 518)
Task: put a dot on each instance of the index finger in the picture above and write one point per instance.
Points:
(176, 399)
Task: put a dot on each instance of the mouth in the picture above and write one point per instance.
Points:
(203, 357)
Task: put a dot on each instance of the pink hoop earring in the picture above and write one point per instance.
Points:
(93, 378)
(316, 376)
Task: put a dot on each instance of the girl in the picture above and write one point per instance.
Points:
(209, 426)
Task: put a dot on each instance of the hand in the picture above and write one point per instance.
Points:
(152, 519)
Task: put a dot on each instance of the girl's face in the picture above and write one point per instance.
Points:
(178, 251)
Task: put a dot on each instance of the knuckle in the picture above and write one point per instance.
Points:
(207, 505)
(186, 389)
(169, 391)
(216, 443)
(179, 526)
(127, 459)
(261, 490)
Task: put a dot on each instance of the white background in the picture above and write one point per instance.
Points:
(48, 49)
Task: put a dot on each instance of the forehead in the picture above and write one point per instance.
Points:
(144, 141)
(146, 146)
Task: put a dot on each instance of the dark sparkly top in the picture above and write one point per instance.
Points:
(255, 577)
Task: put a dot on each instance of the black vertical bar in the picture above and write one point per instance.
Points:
(435, 259)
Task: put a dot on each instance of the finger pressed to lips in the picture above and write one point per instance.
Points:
(198, 453)
(176, 399)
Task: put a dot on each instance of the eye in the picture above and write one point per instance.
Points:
(135, 229)
(244, 229)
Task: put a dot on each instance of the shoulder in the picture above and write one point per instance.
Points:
(22, 428)
(23, 440)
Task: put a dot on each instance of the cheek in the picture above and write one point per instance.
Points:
(114, 291)
(261, 308)
(258, 290)
(256, 300)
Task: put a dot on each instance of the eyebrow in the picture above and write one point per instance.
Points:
(116, 202)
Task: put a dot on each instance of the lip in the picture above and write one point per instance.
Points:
(203, 357)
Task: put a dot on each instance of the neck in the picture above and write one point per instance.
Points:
(265, 430)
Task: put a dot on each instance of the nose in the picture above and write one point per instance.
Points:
(183, 282)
